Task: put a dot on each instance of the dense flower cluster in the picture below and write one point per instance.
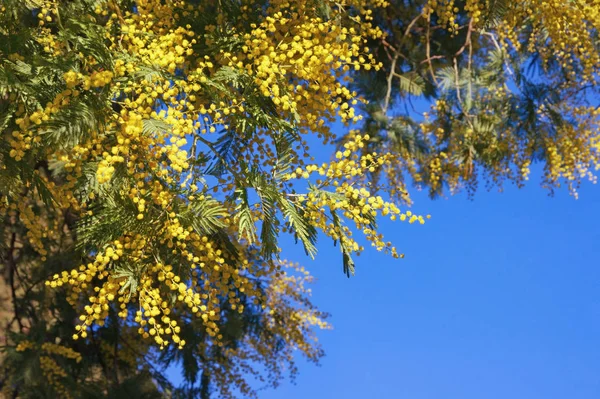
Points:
(53, 372)
(356, 203)
(167, 227)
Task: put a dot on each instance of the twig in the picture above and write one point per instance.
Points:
(470, 71)
(397, 53)
(193, 156)
(388, 94)
(386, 46)
(118, 12)
(59, 21)
(433, 57)
(12, 267)
(428, 50)
(412, 23)
(115, 350)
(457, 81)
(458, 96)
(467, 40)
(459, 52)
(216, 152)
(497, 45)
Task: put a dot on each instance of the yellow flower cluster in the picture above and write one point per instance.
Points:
(98, 309)
(446, 10)
(97, 79)
(60, 350)
(573, 154)
(559, 30)
(290, 286)
(25, 345)
(35, 232)
(53, 372)
(129, 354)
(356, 204)
(570, 152)
(29, 137)
(153, 306)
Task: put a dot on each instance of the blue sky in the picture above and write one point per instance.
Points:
(498, 297)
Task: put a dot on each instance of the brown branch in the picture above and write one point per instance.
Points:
(12, 268)
(388, 94)
(99, 356)
(388, 45)
(428, 50)
(118, 11)
(412, 23)
(457, 82)
(433, 57)
(394, 59)
(470, 66)
(497, 45)
(115, 351)
(467, 40)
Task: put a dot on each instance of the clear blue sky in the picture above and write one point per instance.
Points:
(497, 298)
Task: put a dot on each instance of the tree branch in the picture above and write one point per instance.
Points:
(390, 79)
(12, 268)
(428, 50)
(216, 152)
(467, 40)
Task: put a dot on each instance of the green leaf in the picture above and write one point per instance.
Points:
(42, 190)
(206, 215)
(284, 142)
(132, 275)
(268, 232)
(411, 83)
(301, 226)
(6, 117)
(75, 123)
(243, 216)
(33, 4)
(348, 262)
(155, 126)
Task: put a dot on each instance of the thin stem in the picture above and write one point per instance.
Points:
(216, 152)
(428, 50)
(497, 45)
(59, 21)
(467, 40)
(390, 78)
